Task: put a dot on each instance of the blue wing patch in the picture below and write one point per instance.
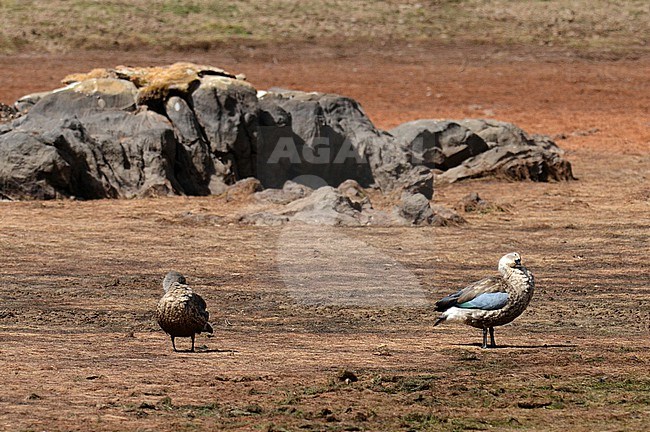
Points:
(487, 301)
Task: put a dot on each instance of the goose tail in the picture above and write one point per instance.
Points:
(440, 320)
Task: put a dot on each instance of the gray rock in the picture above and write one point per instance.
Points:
(31, 168)
(325, 206)
(329, 137)
(88, 141)
(226, 110)
(25, 103)
(290, 192)
(263, 219)
(415, 209)
(512, 162)
(83, 98)
(192, 129)
(440, 144)
(497, 133)
(98, 154)
(355, 193)
(100, 143)
(196, 170)
(472, 148)
(443, 216)
(513, 155)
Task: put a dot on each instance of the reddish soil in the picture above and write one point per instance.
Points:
(80, 280)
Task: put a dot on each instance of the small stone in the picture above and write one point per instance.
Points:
(347, 375)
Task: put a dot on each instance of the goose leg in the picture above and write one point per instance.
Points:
(485, 333)
(492, 343)
(192, 343)
(173, 344)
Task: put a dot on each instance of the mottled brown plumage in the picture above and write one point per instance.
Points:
(181, 312)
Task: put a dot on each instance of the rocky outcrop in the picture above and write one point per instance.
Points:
(190, 129)
(474, 148)
(415, 208)
(196, 130)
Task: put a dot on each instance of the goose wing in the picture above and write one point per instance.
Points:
(200, 305)
(486, 294)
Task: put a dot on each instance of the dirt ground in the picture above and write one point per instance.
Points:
(79, 281)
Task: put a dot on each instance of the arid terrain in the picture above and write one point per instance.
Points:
(79, 281)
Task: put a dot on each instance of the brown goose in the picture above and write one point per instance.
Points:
(492, 301)
(180, 311)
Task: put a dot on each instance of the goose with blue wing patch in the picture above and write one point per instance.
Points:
(493, 301)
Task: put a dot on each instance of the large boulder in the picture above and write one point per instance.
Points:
(471, 148)
(128, 132)
(87, 97)
(438, 144)
(512, 155)
(196, 170)
(31, 168)
(88, 141)
(329, 137)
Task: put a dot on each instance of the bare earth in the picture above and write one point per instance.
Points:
(80, 280)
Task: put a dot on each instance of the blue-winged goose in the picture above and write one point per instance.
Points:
(493, 301)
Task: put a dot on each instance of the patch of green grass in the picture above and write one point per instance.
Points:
(316, 390)
(181, 8)
(465, 424)
(402, 384)
(626, 384)
(422, 420)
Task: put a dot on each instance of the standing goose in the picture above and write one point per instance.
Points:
(493, 301)
(180, 311)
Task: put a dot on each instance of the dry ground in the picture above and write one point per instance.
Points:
(79, 280)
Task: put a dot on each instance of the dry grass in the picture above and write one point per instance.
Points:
(602, 25)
